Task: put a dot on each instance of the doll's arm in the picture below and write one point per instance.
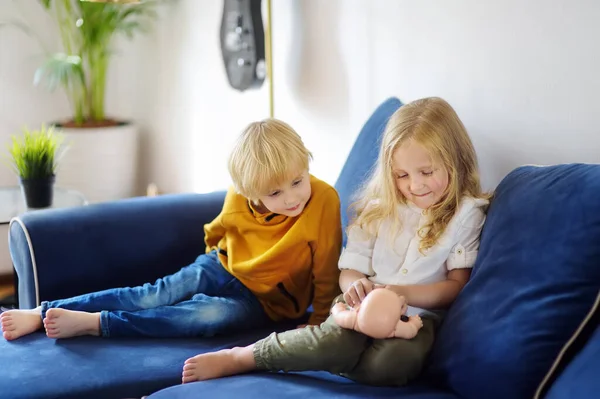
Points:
(408, 329)
(343, 316)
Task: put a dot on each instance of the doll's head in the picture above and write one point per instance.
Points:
(380, 312)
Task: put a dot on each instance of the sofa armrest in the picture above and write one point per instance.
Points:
(60, 253)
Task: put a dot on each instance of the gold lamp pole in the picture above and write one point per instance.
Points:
(269, 60)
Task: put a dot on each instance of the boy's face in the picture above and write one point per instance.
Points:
(290, 198)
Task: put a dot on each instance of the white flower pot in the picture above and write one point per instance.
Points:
(100, 162)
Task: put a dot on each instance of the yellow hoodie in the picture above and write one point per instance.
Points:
(287, 262)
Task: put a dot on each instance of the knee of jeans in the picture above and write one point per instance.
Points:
(149, 301)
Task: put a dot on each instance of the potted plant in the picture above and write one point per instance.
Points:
(87, 32)
(34, 157)
(102, 161)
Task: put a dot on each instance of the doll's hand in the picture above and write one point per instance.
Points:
(416, 321)
(357, 292)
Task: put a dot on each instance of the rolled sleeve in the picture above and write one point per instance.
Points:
(358, 253)
(464, 253)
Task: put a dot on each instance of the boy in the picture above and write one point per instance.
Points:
(271, 251)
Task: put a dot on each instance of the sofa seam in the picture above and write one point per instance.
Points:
(542, 387)
(32, 256)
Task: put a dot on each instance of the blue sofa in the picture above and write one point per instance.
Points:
(526, 324)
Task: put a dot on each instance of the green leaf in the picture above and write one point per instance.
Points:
(59, 70)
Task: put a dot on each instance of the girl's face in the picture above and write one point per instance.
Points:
(419, 179)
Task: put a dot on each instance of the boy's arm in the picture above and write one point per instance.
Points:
(214, 231)
(325, 258)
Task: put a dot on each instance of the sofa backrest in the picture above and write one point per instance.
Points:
(536, 278)
(362, 156)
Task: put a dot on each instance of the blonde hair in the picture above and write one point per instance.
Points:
(266, 154)
(434, 124)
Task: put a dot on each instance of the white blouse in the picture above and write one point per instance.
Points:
(402, 263)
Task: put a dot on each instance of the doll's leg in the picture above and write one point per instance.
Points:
(394, 361)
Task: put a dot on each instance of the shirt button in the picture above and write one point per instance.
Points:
(404, 271)
(459, 251)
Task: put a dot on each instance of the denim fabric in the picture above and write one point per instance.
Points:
(201, 299)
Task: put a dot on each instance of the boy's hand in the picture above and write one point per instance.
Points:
(357, 292)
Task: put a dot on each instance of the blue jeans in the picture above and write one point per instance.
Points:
(201, 299)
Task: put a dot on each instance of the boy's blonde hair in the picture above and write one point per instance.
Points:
(434, 124)
(267, 154)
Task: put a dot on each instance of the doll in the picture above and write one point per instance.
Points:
(380, 315)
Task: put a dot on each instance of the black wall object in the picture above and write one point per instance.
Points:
(243, 43)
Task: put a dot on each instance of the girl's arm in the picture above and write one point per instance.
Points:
(462, 258)
(356, 265)
(434, 296)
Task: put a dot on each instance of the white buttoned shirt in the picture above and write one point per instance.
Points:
(398, 261)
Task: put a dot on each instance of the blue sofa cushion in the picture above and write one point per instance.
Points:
(580, 379)
(583, 348)
(362, 156)
(536, 278)
(295, 385)
(37, 367)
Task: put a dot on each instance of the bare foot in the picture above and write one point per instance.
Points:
(63, 323)
(19, 322)
(218, 364)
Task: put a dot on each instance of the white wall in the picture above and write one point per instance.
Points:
(522, 76)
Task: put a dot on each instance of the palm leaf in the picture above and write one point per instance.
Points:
(59, 70)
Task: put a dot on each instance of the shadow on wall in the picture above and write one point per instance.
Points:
(318, 75)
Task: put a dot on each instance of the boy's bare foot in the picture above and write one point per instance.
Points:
(63, 323)
(218, 364)
(19, 322)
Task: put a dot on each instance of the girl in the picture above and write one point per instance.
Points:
(416, 233)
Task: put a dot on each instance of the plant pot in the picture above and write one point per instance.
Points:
(101, 162)
(38, 193)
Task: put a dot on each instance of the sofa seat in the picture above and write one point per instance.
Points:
(36, 367)
(296, 385)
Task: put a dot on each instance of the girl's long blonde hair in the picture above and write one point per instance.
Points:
(434, 124)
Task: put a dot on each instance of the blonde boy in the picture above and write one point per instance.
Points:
(271, 252)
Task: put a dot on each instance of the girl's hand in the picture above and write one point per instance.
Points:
(357, 292)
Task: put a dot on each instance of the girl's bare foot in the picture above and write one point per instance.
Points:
(19, 322)
(63, 323)
(219, 364)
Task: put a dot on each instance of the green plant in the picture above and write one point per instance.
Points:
(87, 32)
(36, 153)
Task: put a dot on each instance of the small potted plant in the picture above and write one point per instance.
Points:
(34, 157)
